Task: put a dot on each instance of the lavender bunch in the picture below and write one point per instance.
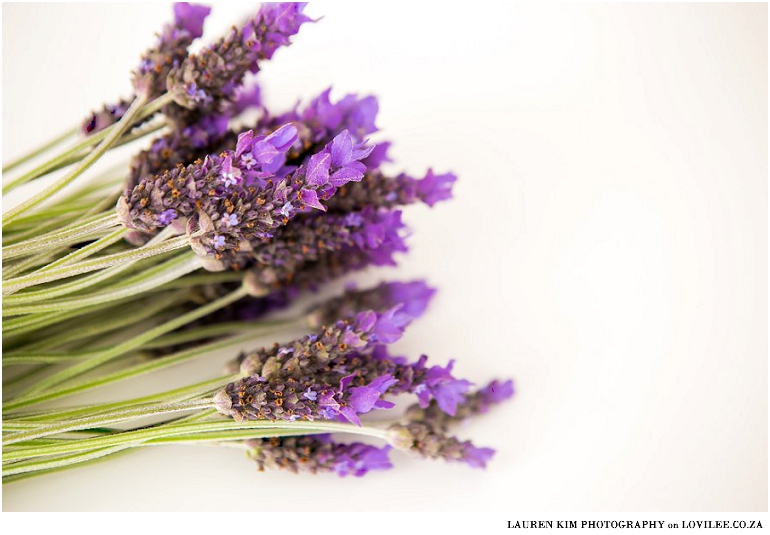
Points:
(109, 288)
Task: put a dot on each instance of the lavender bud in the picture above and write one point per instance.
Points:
(422, 439)
(316, 454)
(474, 403)
(202, 81)
(413, 298)
(150, 76)
(282, 261)
(379, 190)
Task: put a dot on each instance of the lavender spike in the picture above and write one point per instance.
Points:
(318, 453)
(205, 80)
(157, 62)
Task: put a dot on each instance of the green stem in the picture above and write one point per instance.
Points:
(144, 282)
(32, 296)
(86, 329)
(117, 130)
(251, 328)
(15, 327)
(88, 250)
(11, 286)
(205, 278)
(124, 347)
(127, 138)
(164, 431)
(110, 133)
(167, 361)
(31, 466)
(43, 358)
(185, 393)
(61, 237)
(106, 418)
(44, 471)
(38, 151)
(22, 265)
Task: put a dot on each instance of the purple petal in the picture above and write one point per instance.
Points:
(318, 169)
(244, 142)
(350, 416)
(496, 392)
(478, 457)
(363, 398)
(264, 152)
(345, 175)
(434, 188)
(378, 155)
(190, 17)
(283, 138)
(310, 198)
(451, 394)
(342, 149)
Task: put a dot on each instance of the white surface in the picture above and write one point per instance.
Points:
(607, 247)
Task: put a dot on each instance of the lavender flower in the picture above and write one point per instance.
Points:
(207, 191)
(304, 380)
(156, 63)
(318, 453)
(180, 146)
(257, 398)
(312, 353)
(380, 190)
(368, 238)
(413, 298)
(478, 402)
(421, 438)
(430, 384)
(321, 119)
(426, 431)
(107, 116)
(204, 80)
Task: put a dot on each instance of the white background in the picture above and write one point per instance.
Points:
(607, 246)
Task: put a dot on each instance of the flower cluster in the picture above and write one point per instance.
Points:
(243, 195)
(202, 81)
(425, 432)
(156, 63)
(284, 204)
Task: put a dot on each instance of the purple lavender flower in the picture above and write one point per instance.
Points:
(495, 392)
(421, 438)
(413, 298)
(205, 190)
(380, 190)
(150, 75)
(167, 216)
(259, 398)
(324, 118)
(318, 453)
(434, 188)
(316, 248)
(107, 116)
(425, 433)
(206, 79)
(190, 17)
(309, 379)
(439, 384)
(478, 402)
(313, 352)
(180, 146)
